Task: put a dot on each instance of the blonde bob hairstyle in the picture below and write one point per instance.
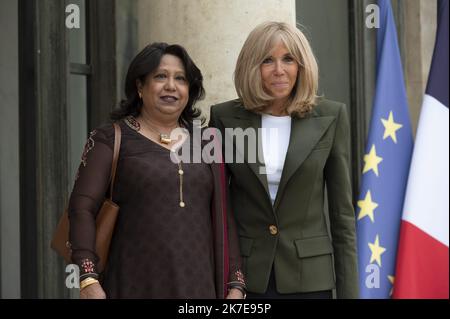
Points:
(258, 47)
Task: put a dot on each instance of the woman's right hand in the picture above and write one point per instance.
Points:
(94, 291)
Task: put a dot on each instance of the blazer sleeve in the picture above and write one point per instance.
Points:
(341, 212)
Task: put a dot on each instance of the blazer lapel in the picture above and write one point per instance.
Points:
(244, 120)
(305, 134)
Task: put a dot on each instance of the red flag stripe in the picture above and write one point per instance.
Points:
(422, 265)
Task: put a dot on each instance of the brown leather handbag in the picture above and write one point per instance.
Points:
(105, 221)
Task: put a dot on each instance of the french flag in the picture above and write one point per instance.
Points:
(422, 260)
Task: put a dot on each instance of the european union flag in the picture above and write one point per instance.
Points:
(386, 167)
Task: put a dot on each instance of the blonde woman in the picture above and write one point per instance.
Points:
(280, 210)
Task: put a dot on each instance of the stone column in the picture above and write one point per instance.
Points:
(420, 21)
(213, 32)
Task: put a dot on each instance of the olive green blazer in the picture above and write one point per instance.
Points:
(292, 234)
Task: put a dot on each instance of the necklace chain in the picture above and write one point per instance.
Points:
(180, 174)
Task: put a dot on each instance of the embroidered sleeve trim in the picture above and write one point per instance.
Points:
(240, 276)
(87, 266)
(239, 280)
(87, 147)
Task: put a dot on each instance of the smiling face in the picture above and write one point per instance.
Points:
(165, 92)
(279, 73)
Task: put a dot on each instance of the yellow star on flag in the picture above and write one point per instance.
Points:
(390, 128)
(391, 280)
(371, 161)
(367, 207)
(377, 251)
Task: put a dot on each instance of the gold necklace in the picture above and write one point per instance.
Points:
(135, 125)
(163, 138)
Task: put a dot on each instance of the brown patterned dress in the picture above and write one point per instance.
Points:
(158, 250)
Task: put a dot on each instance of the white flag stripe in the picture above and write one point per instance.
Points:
(427, 201)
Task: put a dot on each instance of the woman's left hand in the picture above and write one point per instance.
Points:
(235, 293)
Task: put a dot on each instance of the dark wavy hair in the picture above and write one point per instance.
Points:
(148, 61)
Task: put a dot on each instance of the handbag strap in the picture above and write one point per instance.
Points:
(117, 140)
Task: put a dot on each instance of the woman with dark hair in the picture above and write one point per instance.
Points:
(172, 238)
(145, 62)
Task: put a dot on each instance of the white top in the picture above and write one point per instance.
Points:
(276, 132)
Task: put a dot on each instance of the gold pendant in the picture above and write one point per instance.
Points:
(165, 139)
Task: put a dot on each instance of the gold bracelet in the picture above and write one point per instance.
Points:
(87, 282)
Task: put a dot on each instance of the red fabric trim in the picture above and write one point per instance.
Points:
(226, 259)
(213, 220)
(226, 264)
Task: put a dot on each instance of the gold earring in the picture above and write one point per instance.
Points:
(140, 95)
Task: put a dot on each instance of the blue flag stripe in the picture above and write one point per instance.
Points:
(438, 81)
